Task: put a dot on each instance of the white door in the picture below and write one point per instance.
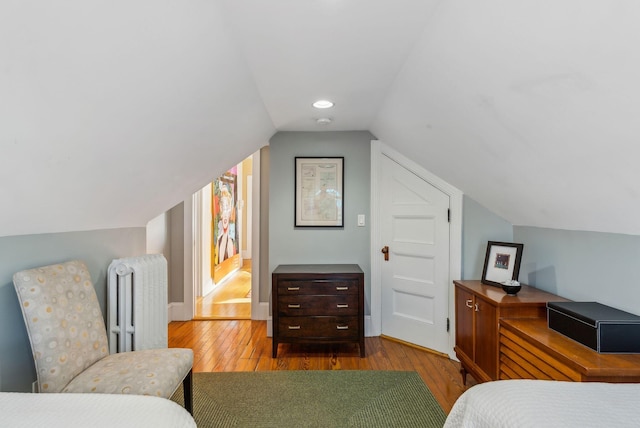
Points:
(414, 280)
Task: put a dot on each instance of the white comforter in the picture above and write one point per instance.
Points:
(90, 410)
(540, 403)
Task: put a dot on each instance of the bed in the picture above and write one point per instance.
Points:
(90, 410)
(541, 403)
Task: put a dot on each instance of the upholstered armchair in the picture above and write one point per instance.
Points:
(68, 339)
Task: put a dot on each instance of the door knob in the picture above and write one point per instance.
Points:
(385, 251)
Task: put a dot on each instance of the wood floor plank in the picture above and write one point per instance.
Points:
(432, 375)
(243, 345)
(229, 300)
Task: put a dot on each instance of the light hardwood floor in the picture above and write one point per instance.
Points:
(243, 345)
(230, 300)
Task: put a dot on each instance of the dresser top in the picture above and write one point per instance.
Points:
(318, 268)
(528, 295)
(574, 354)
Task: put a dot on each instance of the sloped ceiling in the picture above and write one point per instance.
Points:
(528, 107)
(113, 112)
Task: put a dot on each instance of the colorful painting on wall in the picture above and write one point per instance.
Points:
(225, 233)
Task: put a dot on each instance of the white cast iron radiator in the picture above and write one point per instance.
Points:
(137, 303)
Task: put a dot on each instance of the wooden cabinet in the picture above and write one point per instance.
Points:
(476, 335)
(531, 350)
(478, 310)
(465, 313)
(318, 304)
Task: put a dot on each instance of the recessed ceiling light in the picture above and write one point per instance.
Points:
(323, 121)
(323, 104)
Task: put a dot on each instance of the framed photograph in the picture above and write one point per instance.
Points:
(502, 263)
(319, 192)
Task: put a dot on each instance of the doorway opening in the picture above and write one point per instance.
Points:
(224, 290)
(379, 151)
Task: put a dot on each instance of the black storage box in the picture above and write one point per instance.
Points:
(600, 327)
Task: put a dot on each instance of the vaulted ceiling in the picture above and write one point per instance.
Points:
(111, 112)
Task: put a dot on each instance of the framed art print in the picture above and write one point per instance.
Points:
(319, 192)
(501, 263)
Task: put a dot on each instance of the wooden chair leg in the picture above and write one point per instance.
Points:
(187, 386)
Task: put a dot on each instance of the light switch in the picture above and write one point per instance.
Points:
(360, 219)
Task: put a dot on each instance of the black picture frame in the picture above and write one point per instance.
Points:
(319, 192)
(501, 263)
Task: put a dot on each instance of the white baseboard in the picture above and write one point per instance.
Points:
(208, 286)
(176, 312)
(369, 331)
(261, 312)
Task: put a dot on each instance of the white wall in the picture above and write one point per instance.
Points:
(113, 112)
(158, 235)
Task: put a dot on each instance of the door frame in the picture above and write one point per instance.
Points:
(378, 150)
(193, 249)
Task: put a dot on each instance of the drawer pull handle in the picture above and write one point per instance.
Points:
(294, 327)
(342, 305)
(343, 327)
(468, 302)
(293, 288)
(294, 306)
(342, 288)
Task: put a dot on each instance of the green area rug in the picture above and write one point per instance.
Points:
(325, 399)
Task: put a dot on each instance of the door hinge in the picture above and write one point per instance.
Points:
(448, 326)
(449, 215)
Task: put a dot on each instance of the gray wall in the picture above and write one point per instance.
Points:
(350, 244)
(263, 270)
(479, 225)
(96, 248)
(582, 266)
(175, 257)
(577, 265)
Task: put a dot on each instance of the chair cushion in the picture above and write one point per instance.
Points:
(156, 372)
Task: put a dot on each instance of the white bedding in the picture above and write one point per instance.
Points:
(539, 403)
(90, 410)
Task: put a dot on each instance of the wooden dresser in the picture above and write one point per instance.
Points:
(531, 350)
(318, 303)
(479, 308)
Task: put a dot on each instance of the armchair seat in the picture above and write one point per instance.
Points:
(69, 340)
(150, 372)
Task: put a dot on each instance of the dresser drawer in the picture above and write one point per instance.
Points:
(321, 303)
(308, 304)
(333, 286)
(319, 327)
